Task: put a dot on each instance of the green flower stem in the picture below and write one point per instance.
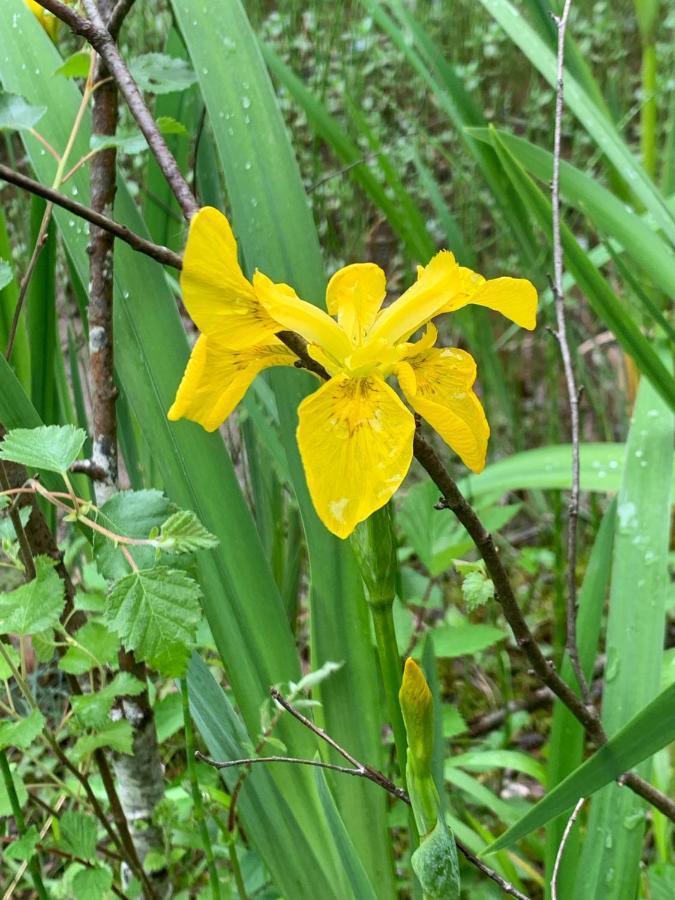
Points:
(390, 666)
(649, 111)
(34, 862)
(197, 794)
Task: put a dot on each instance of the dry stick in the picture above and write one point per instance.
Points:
(93, 30)
(561, 849)
(452, 497)
(571, 645)
(357, 769)
(148, 248)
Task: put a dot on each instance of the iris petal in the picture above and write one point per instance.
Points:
(355, 438)
(354, 295)
(441, 393)
(216, 379)
(219, 299)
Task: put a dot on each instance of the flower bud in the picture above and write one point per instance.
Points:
(418, 715)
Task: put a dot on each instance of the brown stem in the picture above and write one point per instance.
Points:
(161, 254)
(93, 30)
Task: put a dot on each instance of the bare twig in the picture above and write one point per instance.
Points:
(94, 31)
(356, 769)
(161, 254)
(570, 380)
(89, 468)
(561, 849)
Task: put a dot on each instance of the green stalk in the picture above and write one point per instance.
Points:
(34, 861)
(197, 794)
(648, 114)
(390, 666)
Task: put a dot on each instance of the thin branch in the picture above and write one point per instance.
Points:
(570, 380)
(161, 254)
(93, 30)
(120, 11)
(561, 849)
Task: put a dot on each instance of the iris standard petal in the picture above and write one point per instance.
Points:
(294, 314)
(219, 299)
(437, 383)
(421, 302)
(217, 377)
(514, 298)
(355, 438)
(354, 295)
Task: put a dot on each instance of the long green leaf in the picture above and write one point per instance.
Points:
(274, 226)
(549, 468)
(595, 287)
(612, 217)
(644, 735)
(600, 128)
(634, 641)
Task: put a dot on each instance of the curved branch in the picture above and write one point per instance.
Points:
(156, 251)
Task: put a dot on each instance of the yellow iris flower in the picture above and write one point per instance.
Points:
(355, 434)
(49, 22)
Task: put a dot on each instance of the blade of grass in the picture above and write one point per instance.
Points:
(41, 319)
(609, 215)
(634, 641)
(8, 297)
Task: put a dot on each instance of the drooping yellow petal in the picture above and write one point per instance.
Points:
(436, 282)
(355, 438)
(437, 383)
(354, 295)
(307, 320)
(219, 299)
(515, 298)
(217, 377)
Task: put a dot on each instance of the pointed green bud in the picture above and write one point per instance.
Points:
(374, 545)
(417, 706)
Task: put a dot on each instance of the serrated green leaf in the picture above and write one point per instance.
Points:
(93, 710)
(6, 273)
(7, 526)
(93, 883)
(35, 606)
(50, 447)
(477, 587)
(184, 533)
(16, 113)
(124, 143)
(132, 514)
(22, 732)
(99, 646)
(169, 125)
(75, 66)
(156, 612)
(43, 644)
(117, 736)
(158, 73)
(24, 847)
(78, 834)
